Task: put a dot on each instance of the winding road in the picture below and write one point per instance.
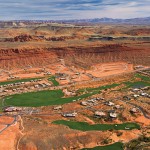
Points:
(10, 124)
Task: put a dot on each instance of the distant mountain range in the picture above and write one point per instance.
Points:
(133, 21)
(145, 20)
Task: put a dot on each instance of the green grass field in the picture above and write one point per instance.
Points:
(45, 98)
(137, 84)
(133, 83)
(42, 98)
(115, 146)
(53, 80)
(17, 81)
(144, 81)
(83, 126)
(144, 78)
(99, 88)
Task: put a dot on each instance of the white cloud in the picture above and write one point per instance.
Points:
(69, 9)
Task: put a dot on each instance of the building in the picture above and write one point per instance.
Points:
(77, 73)
(47, 73)
(69, 114)
(84, 103)
(135, 96)
(126, 98)
(69, 93)
(11, 109)
(110, 104)
(99, 114)
(117, 106)
(146, 88)
(58, 108)
(139, 67)
(36, 86)
(134, 110)
(113, 115)
(99, 98)
(62, 78)
(135, 90)
(144, 94)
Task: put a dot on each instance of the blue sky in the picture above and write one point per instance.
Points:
(72, 9)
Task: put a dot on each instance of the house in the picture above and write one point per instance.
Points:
(84, 103)
(134, 110)
(38, 72)
(139, 67)
(136, 96)
(126, 98)
(91, 101)
(77, 73)
(110, 103)
(58, 108)
(146, 88)
(113, 115)
(135, 90)
(69, 114)
(47, 73)
(99, 98)
(148, 96)
(73, 77)
(36, 86)
(69, 93)
(60, 75)
(62, 78)
(117, 106)
(11, 109)
(144, 94)
(5, 91)
(99, 114)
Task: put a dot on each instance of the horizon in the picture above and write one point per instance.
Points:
(75, 19)
(73, 10)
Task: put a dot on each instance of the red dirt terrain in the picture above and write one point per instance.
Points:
(139, 32)
(67, 53)
(42, 44)
(10, 136)
(61, 137)
(19, 57)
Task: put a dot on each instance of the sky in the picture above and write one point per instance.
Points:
(72, 9)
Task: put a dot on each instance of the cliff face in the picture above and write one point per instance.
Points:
(23, 38)
(11, 54)
(27, 38)
(15, 58)
(41, 56)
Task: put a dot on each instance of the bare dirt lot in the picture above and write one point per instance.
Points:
(10, 136)
(107, 69)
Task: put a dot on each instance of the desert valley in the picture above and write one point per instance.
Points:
(72, 86)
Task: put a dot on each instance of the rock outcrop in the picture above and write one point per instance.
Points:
(41, 56)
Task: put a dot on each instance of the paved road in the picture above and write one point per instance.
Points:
(8, 125)
(145, 73)
(139, 107)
